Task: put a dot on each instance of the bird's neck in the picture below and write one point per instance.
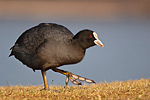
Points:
(79, 43)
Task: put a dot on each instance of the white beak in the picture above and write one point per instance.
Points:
(97, 41)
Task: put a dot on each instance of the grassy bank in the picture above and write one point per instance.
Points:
(137, 89)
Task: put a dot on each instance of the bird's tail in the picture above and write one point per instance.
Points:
(11, 51)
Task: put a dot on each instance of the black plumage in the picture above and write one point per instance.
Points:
(49, 45)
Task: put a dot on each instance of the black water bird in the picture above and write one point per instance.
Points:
(48, 46)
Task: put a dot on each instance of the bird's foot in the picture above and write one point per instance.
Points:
(74, 79)
(45, 89)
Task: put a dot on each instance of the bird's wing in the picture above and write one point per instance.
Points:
(32, 38)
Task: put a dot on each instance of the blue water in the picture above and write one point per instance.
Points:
(125, 56)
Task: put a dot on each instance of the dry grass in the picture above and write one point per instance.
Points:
(137, 89)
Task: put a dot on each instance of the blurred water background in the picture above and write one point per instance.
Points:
(122, 25)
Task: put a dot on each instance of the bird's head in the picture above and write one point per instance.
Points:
(87, 38)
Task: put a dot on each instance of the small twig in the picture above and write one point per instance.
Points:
(7, 83)
(52, 82)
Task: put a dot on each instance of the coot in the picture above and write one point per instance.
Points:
(49, 45)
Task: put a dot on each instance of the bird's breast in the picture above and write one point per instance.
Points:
(56, 55)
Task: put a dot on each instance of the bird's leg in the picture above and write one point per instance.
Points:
(73, 78)
(44, 79)
(67, 76)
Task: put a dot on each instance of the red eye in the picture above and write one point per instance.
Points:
(91, 36)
